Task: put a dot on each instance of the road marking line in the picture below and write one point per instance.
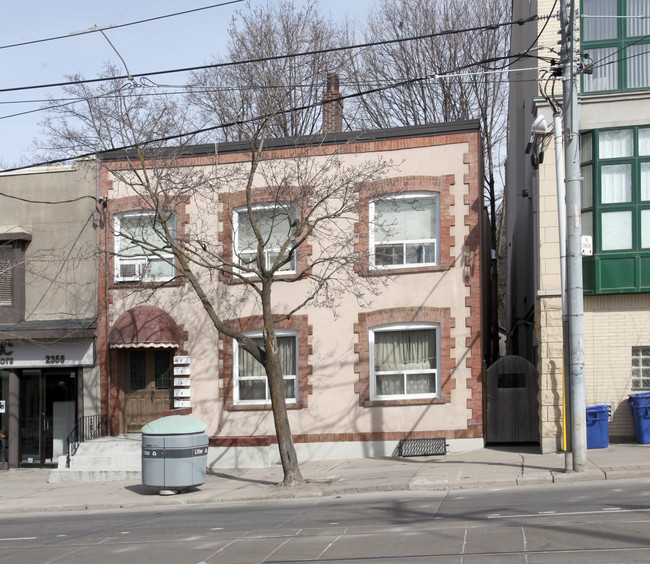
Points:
(18, 538)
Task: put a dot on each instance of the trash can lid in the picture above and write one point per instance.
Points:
(174, 425)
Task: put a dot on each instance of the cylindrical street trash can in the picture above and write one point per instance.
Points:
(640, 406)
(174, 452)
(597, 426)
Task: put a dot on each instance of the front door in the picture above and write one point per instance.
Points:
(145, 386)
(47, 414)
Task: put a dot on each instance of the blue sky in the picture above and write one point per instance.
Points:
(182, 41)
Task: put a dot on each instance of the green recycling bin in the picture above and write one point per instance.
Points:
(174, 452)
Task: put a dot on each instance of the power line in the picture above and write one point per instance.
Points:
(117, 26)
(236, 123)
(277, 57)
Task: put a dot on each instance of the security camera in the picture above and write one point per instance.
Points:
(539, 125)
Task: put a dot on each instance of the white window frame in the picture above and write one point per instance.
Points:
(237, 378)
(373, 374)
(269, 253)
(434, 241)
(141, 263)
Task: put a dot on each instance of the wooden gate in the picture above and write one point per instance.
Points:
(512, 411)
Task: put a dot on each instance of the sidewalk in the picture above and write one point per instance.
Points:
(27, 490)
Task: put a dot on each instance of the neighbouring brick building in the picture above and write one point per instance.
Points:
(614, 128)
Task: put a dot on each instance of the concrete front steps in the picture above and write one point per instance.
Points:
(102, 460)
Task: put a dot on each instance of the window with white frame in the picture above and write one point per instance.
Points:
(616, 36)
(251, 385)
(142, 252)
(274, 225)
(641, 368)
(404, 361)
(404, 230)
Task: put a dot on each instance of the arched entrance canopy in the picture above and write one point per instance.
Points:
(144, 327)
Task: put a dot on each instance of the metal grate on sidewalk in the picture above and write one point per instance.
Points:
(421, 447)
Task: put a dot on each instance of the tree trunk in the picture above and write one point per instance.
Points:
(288, 457)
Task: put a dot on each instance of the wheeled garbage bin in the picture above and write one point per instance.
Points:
(174, 453)
(640, 406)
(597, 426)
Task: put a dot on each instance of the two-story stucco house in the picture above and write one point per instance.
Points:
(404, 362)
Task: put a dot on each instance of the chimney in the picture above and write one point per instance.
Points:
(332, 110)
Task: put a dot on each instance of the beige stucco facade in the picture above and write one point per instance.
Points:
(335, 416)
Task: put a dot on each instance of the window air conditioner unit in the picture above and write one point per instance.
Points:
(132, 270)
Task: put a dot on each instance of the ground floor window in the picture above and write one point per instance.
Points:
(251, 384)
(641, 368)
(404, 361)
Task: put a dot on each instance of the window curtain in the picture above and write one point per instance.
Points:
(616, 183)
(605, 71)
(248, 366)
(405, 350)
(638, 66)
(273, 224)
(142, 228)
(599, 27)
(399, 219)
(638, 26)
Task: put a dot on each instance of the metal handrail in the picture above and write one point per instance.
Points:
(86, 429)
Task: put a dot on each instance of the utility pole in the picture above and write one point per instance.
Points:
(577, 416)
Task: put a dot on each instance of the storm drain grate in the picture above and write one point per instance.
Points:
(421, 447)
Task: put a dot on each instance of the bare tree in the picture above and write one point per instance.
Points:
(288, 221)
(452, 75)
(278, 83)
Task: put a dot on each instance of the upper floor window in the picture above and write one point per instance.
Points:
(616, 36)
(275, 228)
(12, 276)
(404, 361)
(142, 251)
(615, 167)
(6, 276)
(251, 385)
(404, 230)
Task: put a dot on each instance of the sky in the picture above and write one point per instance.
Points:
(183, 41)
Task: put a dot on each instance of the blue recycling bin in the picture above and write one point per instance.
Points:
(597, 426)
(640, 407)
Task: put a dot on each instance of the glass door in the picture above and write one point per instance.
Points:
(47, 414)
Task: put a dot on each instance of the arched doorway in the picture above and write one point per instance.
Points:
(512, 401)
(143, 342)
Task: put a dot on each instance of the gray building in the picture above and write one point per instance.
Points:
(48, 309)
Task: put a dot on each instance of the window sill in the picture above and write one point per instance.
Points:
(404, 402)
(399, 270)
(258, 406)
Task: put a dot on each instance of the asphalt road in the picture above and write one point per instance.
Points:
(578, 522)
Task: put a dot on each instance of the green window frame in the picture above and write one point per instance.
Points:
(615, 168)
(617, 39)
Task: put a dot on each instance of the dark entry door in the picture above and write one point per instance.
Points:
(47, 414)
(145, 382)
(512, 401)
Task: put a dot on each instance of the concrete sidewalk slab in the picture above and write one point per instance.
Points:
(27, 490)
